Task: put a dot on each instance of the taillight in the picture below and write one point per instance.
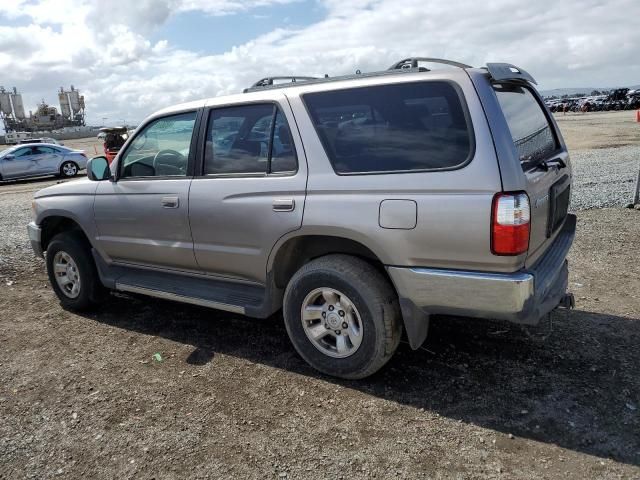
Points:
(510, 224)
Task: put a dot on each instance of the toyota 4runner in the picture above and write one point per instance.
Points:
(359, 205)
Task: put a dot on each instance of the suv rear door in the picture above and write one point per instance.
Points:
(543, 159)
(250, 187)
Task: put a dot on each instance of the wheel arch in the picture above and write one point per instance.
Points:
(292, 253)
(52, 225)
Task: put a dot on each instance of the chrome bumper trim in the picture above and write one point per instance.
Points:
(521, 297)
(485, 295)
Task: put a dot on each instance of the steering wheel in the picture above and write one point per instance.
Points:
(177, 163)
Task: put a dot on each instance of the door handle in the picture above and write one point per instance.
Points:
(284, 204)
(170, 202)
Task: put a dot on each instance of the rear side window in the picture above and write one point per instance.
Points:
(529, 126)
(392, 128)
(249, 139)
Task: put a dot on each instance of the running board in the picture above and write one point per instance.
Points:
(123, 287)
(253, 300)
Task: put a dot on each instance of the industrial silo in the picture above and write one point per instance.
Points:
(74, 99)
(65, 108)
(18, 106)
(5, 102)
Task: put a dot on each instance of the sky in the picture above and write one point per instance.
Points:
(130, 58)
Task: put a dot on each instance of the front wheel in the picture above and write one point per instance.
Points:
(72, 272)
(68, 169)
(342, 316)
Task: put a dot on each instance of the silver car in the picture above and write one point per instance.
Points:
(360, 206)
(38, 159)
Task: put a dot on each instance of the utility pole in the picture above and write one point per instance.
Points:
(636, 195)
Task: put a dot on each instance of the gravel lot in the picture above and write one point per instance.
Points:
(604, 177)
(81, 396)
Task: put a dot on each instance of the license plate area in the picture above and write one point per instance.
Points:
(559, 196)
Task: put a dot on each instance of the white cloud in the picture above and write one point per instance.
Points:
(105, 48)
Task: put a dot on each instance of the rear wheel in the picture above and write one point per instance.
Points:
(342, 316)
(72, 272)
(68, 169)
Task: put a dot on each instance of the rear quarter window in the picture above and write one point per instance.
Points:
(403, 127)
(530, 129)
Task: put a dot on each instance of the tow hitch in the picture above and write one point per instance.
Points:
(540, 333)
(568, 301)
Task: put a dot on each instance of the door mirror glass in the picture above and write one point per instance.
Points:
(98, 169)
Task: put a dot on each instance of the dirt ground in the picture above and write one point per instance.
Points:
(86, 396)
(585, 131)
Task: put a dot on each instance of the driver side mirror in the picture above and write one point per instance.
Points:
(98, 169)
(9, 156)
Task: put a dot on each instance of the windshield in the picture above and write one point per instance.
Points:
(7, 151)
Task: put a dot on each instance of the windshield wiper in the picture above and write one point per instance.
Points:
(546, 164)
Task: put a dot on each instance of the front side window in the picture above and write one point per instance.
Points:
(529, 126)
(23, 152)
(392, 128)
(248, 139)
(161, 149)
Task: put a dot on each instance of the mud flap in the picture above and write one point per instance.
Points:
(416, 323)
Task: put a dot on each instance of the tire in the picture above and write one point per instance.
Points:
(69, 169)
(90, 291)
(374, 310)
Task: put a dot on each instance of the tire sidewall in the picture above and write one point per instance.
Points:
(372, 325)
(83, 261)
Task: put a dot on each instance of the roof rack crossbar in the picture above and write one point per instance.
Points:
(412, 62)
(269, 81)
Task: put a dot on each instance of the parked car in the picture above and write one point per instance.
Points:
(359, 205)
(38, 159)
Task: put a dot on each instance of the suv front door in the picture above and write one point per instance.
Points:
(143, 216)
(251, 191)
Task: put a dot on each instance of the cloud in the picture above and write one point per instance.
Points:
(105, 48)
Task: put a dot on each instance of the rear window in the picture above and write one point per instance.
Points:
(392, 128)
(529, 126)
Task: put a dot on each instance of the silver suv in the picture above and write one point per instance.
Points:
(358, 205)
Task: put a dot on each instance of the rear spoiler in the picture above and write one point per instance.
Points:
(505, 71)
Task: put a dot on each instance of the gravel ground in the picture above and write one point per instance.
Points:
(604, 177)
(15, 197)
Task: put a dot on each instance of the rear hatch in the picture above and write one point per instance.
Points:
(544, 161)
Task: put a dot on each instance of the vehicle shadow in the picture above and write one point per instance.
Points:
(579, 389)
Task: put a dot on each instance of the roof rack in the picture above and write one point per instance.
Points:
(412, 62)
(498, 71)
(269, 81)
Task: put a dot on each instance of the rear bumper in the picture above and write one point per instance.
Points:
(35, 234)
(521, 297)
